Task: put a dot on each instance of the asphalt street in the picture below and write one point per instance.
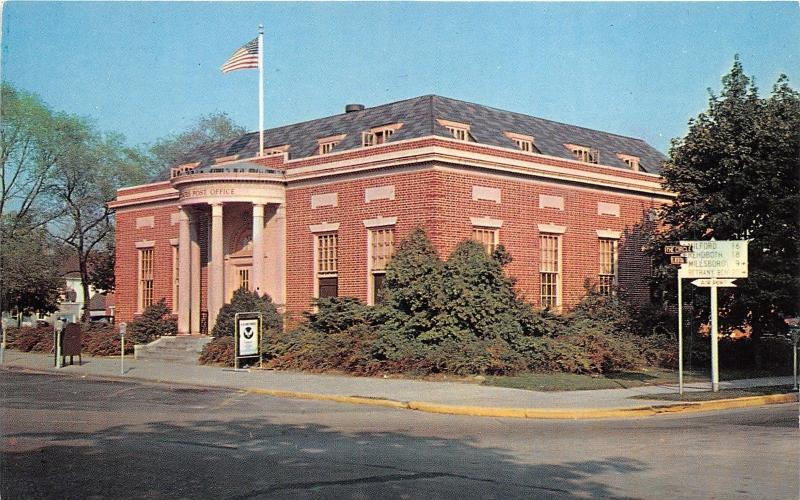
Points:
(69, 437)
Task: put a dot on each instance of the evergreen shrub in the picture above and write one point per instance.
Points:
(155, 321)
(246, 301)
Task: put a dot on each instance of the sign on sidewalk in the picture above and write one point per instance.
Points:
(709, 282)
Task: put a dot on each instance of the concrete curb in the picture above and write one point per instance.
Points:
(472, 411)
(539, 413)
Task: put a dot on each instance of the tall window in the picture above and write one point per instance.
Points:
(608, 265)
(550, 270)
(489, 238)
(146, 277)
(381, 250)
(244, 277)
(175, 278)
(327, 265)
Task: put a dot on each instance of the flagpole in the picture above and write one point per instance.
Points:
(260, 90)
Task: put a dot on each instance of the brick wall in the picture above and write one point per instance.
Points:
(442, 203)
(127, 261)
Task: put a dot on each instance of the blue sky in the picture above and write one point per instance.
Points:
(150, 69)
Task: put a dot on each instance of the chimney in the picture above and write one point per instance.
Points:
(353, 108)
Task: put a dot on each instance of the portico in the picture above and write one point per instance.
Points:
(232, 233)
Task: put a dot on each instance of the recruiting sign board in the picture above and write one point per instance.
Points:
(715, 259)
(248, 336)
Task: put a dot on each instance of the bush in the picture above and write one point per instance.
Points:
(603, 349)
(28, 339)
(337, 314)
(220, 351)
(246, 301)
(156, 321)
(103, 340)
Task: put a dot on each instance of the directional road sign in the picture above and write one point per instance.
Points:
(716, 259)
(709, 282)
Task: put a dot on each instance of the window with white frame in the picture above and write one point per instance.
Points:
(550, 270)
(379, 135)
(276, 150)
(381, 249)
(608, 265)
(523, 142)
(584, 153)
(630, 161)
(326, 144)
(460, 131)
(488, 237)
(327, 265)
(145, 277)
(243, 273)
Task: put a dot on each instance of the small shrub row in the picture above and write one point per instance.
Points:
(96, 340)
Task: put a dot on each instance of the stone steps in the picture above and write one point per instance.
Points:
(183, 349)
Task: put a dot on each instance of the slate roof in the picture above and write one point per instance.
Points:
(418, 116)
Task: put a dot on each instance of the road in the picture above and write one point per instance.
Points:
(68, 437)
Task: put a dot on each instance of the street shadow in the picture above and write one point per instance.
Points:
(256, 458)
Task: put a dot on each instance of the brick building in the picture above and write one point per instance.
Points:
(321, 210)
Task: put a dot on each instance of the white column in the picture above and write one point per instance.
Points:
(278, 270)
(184, 271)
(194, 324)
(257, 279)
(216, 275)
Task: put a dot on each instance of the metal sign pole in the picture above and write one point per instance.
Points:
(714, 341)
(680, 332)
(123, 327)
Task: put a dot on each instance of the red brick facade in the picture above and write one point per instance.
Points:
(434, 182)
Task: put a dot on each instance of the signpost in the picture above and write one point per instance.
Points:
(716, 263)
(248, 336)
(123, 327)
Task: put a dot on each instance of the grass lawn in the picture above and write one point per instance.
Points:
(621, 380)
(722, 394)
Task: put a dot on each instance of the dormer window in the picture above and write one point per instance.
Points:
(630, 161)
(379, 135)
(459, 130)
(326, 144)
(584, 153)
(276, 150)
(225, 159)
(523, 142)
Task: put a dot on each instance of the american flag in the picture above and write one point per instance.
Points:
(244, 58)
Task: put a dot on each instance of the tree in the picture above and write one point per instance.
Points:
(172, 150)
(31, 281)
(28, 159)
(101, 267)
(89, 170)
(736, 174)
(480, 298)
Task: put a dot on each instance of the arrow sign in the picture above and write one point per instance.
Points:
(677, 249)
(709, 282)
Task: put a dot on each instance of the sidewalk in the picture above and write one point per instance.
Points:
(440, 397)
